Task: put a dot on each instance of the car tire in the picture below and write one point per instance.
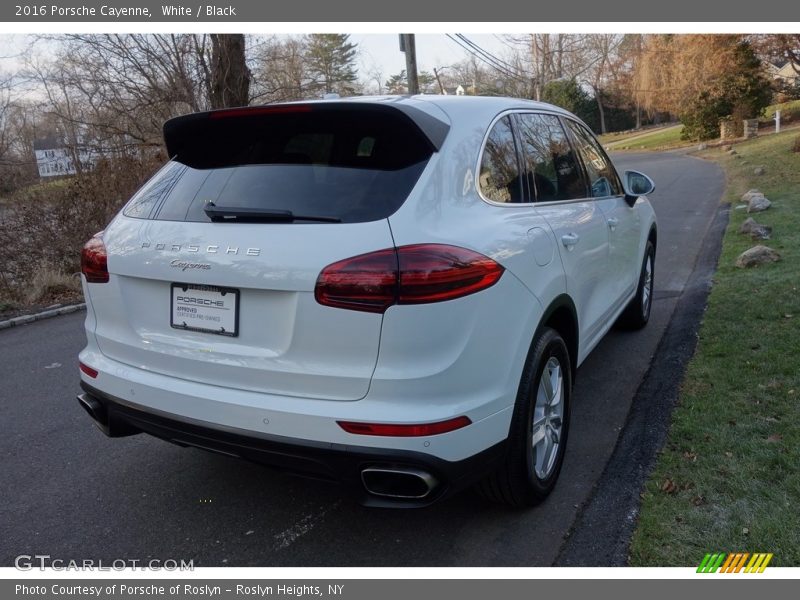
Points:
(637, 313)
(529, 470)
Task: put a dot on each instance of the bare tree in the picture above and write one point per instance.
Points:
(279, 70)
(119, 89)
(601, 50)
(780, 47)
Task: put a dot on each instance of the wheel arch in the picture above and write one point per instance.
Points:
(652, 236)
(562, 316)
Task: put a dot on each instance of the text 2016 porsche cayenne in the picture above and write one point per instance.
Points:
(394, 293)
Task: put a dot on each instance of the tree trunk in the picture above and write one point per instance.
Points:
(230, 77)
(602, 111)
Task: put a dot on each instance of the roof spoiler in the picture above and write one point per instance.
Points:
(184, 133)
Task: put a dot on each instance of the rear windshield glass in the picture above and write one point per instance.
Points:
(345, 165)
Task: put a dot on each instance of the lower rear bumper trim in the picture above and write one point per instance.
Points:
(335, 462)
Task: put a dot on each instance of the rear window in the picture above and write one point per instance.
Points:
(346, 165)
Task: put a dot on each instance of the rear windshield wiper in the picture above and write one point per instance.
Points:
(220, 214)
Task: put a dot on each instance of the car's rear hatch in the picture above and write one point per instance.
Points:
(290, 190)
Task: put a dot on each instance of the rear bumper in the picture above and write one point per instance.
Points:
(322, 460)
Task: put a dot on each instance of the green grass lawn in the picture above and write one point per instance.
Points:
(728, 478)
(660, 139)
(618, 136)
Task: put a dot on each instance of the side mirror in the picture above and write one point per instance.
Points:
(637, 184)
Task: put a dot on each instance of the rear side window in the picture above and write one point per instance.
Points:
(346, 165)
(603, 179)
(499, 178)
(153, 192)
(551, 167)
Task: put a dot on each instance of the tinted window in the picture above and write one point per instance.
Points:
(551, 168)
(499, 177)
(152, 192)
(603, 180)
(348, 165)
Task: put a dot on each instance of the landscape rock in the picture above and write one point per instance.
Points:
(732, 152)
(758, 204)
(750, 193)
(759, 170)
(757, 255)
(756, 230)
(702, 147)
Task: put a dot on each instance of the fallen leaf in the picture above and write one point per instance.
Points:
(669, 487)
(775, 437)
(698, 500)
(745, 530)
(690, 456)
(729, 454)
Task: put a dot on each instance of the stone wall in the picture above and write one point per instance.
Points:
(750, 128)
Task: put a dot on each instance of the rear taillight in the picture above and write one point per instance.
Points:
(94, 260)
(416, 274)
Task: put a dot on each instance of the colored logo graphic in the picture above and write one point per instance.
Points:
(735, 563)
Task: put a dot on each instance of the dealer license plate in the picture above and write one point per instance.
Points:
(205, 308)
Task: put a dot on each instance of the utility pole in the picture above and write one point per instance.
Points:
(408, 45)
(439, 81)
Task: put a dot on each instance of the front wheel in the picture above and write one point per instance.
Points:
(637, 313)
(539, 426)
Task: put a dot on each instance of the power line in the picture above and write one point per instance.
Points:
(488, 54)
(484, 59)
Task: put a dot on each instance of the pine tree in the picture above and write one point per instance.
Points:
(330, 60)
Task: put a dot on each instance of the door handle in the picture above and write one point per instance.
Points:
(569, 240)
(612, 223)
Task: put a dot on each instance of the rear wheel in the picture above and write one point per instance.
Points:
(637, 313)
(539, 427)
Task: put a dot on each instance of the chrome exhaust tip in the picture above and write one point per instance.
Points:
(404, 483)
(96, 410)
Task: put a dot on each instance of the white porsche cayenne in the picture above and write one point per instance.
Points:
(393, 293)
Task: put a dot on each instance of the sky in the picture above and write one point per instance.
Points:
(379, 52)
(433, 51)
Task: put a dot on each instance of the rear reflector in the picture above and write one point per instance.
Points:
(94, 260)
(418, 430)
(88, 370)
(415, 274)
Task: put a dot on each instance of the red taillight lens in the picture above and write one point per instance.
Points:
(367, 282)
(416, 430)
(415, 274)
(88, 370)
(435, 272)
(94, 260)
